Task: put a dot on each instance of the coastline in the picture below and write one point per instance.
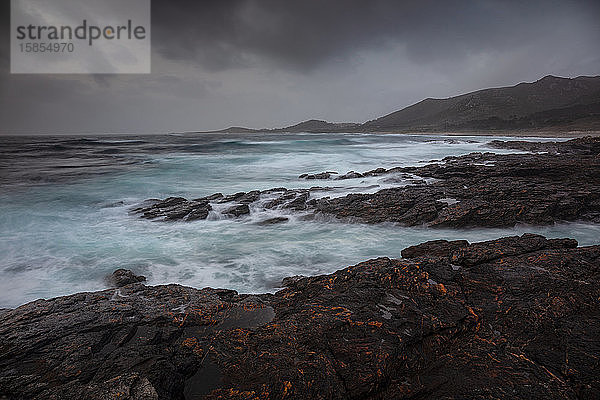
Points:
(494, 317)
(535, 133)
(553, 181)
(558, 133)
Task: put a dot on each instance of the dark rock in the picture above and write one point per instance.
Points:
(249, 197)
(242, 197)
(272, 221)
(294, 199)
(210, 198)
(561, 182)
(123, 277)
(520, 321)
(174, 209)
(286, 197)
(275, 190)
(239, 210)
(479, 253)
(434, 248)
(587, 145)
(488, 190)
(321, 175)
(171, 201)
(462, 253)
(377, 171)
(350, 175)
(291, 281)
(223, 294)
(232, 197)
(299, 202)
(198, 213)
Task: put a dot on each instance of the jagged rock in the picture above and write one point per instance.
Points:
(198, 213)
(299, 202)
(285, 197)
(212, 197)
(249, 197)
(520, 319)
(488, 251)
(559, 183)
(242, 197)
(171, 201)
(321, 175)
(350, 175)
(275, 220)
(433, 248)
(291, 281)
(239, 210)
(122, 277)
(588, 145)
(488, 190)
(374, 172)
(232, 197)
(174, 208)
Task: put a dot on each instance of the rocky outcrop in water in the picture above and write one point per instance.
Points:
(123, 277)
(516, 317)
(174, 208)
(320, 175)
(237, 205)
(559, 182)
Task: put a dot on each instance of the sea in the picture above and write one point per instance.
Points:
(66, 220)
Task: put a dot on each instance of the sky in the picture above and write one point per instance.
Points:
(273, 63)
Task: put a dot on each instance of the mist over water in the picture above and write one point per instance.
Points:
(65, 202)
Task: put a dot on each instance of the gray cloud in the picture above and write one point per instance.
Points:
(304, 34)
(272, 62)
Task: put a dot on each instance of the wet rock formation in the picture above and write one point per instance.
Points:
(174, 208)
(124, 277)
(560, 181)
(516, 317)
(181, 209)
(320, 175)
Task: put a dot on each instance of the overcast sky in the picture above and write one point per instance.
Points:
(273, 63)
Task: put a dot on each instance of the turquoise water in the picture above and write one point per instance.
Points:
(65, 201)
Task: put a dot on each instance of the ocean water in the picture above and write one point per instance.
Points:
(65, 220)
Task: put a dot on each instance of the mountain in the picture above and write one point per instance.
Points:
(549, 103)
(315, 125)
(235, 129)
(310, 126)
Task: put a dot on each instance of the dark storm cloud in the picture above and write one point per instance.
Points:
(267, 63)
(304, 34)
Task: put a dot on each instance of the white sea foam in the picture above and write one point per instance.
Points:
(64, 237)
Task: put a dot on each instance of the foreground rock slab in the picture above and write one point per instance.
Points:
(517, 317)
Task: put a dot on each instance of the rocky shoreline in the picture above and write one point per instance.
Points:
(556, 181)
(517, 317)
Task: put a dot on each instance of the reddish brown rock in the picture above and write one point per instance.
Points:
(510, 318)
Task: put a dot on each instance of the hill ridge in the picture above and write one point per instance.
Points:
(549, 102)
